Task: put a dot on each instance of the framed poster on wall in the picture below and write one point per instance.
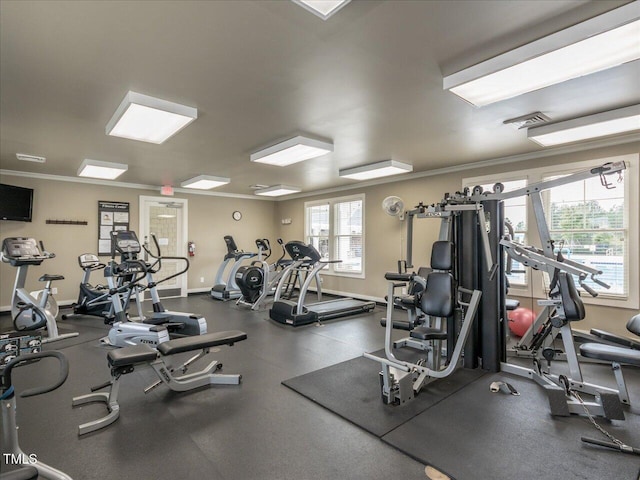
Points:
(111, 216)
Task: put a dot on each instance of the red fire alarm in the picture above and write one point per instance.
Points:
(166, 190)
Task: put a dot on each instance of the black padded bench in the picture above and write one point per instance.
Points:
(174, 375)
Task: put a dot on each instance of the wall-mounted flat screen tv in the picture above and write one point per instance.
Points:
(15, 203)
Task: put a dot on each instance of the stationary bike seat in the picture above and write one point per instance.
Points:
(46, 277)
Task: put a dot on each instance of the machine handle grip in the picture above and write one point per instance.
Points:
(600, 282)
(588, 289)
(30, 357)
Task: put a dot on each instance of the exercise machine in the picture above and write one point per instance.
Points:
(182, 324)
(259, 280)
(91, 298)
(228, 289)
(166, 365)
(298, 313)
(10, 443)
(29, 313)
(447, 314)
(122, 278)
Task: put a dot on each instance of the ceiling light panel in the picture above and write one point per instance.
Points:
(103, 170)
(205, 182)
(292, 151)
(322, 8)
(622, 120)
(149, 119)
(277, 191)
(597, 44)
(376, 170)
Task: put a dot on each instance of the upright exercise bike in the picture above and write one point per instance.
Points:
(30, 313)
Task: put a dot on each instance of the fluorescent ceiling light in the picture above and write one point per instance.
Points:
(104, 170)
(602, 124)
(149, 119)
(25, 157)
(205, 182)
(602, 42)
(277, 191)
(322, 8)
(375, 170)
(292, 151)
(166, 215)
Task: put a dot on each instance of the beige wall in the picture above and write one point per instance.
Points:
(383, 233)
(209, 220)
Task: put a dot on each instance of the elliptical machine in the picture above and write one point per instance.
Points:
(229, 290)
(181, 324)
(29, 313)
(259, 280)
(121, 278)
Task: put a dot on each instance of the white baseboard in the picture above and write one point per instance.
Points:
(61, 303)
(199, 290)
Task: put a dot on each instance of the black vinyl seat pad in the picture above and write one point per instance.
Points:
(610, 353)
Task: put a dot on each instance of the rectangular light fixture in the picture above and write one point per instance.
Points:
(25, 157)
(205, 182)
(596, 44)
(277, 191)
(375, 170)
(291, 151)
(602, 124)
(104, 170)
(149, 119)
(322, 8)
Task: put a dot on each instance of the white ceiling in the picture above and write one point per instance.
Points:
(369, 78)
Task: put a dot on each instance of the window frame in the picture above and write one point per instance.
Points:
(537, 287)
(332, 202)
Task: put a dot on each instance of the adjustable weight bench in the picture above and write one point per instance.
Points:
(122, 361)
(625, 354)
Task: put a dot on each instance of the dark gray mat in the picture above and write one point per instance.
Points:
(476, 434)
(351, 389)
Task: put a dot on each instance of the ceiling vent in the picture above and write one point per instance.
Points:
(528, 120)
(258, 186)
(25, 157)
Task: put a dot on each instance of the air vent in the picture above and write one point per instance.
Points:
(258, 186)
(25, 157)
(529, 120)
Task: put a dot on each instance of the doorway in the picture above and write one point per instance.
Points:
(167, 219)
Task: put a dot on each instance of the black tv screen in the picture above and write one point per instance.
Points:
(15, 203)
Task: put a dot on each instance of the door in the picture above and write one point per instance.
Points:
(167, 219)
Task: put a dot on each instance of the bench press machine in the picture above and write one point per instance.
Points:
(123, 360)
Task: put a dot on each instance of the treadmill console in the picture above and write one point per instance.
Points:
(126, 242)
(22, 251)
(301, 251)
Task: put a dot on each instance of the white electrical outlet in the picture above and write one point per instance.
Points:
(54, 291)
(201, 279)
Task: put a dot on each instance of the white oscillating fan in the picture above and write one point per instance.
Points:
(393, 206)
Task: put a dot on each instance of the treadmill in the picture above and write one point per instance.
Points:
(296, 313)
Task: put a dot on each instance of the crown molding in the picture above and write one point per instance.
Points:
(137, 186)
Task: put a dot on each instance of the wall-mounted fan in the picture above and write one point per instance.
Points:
(393, 206)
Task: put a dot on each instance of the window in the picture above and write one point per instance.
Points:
(336, 228)
(592, 224)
